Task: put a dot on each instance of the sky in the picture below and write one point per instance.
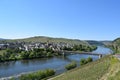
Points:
(75, 19)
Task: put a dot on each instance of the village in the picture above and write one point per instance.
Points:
(30, 46)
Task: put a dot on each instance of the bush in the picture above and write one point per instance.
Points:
(71, 65)
(38, 75)
(85, 61)
(89, 59)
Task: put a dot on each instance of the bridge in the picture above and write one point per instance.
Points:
(78, 52)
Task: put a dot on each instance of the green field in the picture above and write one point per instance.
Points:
(107, 68)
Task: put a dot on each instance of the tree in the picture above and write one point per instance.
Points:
(89, 59)
(83, 61)
(71, 65)
(24, 55)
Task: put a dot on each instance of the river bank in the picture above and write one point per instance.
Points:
(16, 68)
(106, 68)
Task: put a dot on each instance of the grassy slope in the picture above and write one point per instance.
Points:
(48, 39)
(113, 71)
(103, 69)
(57, 40)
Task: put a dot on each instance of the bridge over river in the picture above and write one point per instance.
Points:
(78, 52)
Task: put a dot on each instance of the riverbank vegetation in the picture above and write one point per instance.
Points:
(17, 54)
(73, 64)
(85, 61)
(39, 75)
(106, 68)
(70, 66)
(85, 48)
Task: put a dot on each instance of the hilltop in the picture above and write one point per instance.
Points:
(48, 39)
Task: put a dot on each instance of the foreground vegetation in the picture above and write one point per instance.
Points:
(85, 61)
(70, 66)
(73, 64)
(106, 68)
(38, 75)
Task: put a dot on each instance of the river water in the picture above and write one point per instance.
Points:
(14, 68)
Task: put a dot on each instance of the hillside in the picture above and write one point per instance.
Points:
(115, 45)
(2, 39)
(117, 41)
(99, 43)
(106, 68)
(48, 39)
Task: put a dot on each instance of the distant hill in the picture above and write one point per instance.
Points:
(117, 41)
(2, 39)
(93, 42)
(49, 39)
(115, 45)
(99, 43)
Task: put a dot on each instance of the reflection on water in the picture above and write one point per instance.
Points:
(103, 50)
(16, 67)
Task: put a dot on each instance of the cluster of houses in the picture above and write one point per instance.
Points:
(31, 46)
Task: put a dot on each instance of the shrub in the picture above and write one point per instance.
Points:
(89, 59)
(38, 75)
(85, 61)
(71, 65)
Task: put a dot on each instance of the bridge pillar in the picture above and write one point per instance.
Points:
(100, 56)
(63, 53)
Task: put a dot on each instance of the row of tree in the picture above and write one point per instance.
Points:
(85, 48)
(15, 54)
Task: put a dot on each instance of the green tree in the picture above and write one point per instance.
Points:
(89, 59)
(83, 61)
(70, 66)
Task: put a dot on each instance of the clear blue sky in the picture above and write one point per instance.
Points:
(79, 19)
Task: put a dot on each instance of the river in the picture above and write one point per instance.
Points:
(14, 68)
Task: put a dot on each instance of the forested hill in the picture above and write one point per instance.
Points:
(117, 41)
(99, 43)
(48, 39)
(115, 45)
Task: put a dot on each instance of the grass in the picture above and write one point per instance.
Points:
(103, 69)
(114, 70)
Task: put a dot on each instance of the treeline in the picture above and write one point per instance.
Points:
(16, 54)
(85, 48)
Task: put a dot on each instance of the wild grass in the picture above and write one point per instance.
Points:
(91, 71)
